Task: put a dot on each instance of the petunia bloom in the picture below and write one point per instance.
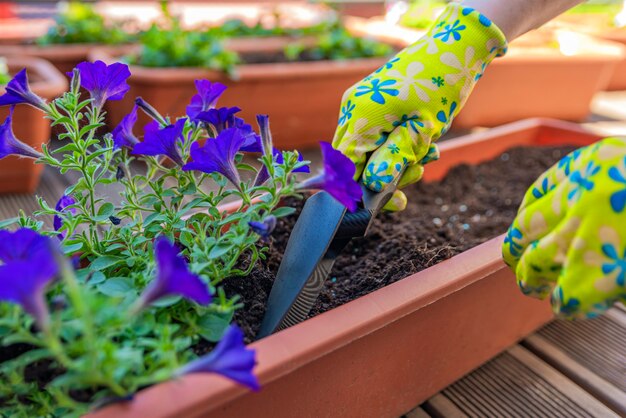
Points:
(123, 135)
(28, 267)
(220, 118)
(18, 91)
(263, 175)
(10, 145)
(151, 111)
(61, 206)
(207, 96)
(252, 141)
(230, 358)
(264, 228)
(162, 141)
(173, 277)
(104, 82)
(217, 155)
(337, 178)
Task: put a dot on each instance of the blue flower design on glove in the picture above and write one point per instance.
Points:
(582, 180)
(512, 235)
(618, 199)
(378, 89)
(376, 179)
(346, 112)
(453, 31)
(617, 264)
(566, 162)
(538, 193)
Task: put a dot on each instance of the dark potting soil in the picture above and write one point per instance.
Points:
(471, 205)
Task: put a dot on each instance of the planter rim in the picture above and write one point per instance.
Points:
(51, 82)
(247, 72)
(294, 347)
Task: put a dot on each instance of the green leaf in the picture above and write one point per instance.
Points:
(8, 222)
(106, 210)
(283, 211)
(72, 248)
(213, 325)
(104, 262)
(116, 286)
(219, 250)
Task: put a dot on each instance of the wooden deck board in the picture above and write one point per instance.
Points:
(573, 369)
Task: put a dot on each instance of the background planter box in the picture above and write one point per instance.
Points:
(386, 352)
(21, 175)
(63, 57)
(618, 80)
(302, 98)
(546, 73)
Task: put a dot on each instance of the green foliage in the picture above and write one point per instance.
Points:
(338, 44)
(4, 72)
(98, 345)
(80, 24)
(237, 28)
(168, 44)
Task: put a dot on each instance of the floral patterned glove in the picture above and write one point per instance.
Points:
(399, 110)
(569, 237)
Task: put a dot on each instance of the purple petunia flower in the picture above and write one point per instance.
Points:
(123, 135)
(173, 277)
(18, 91)
(207, 96)
(221, 118)
(10, 145)
(218, 155)
(151, 111)
(28, 266)
(252, 141)
(61, 206)
(337, 178)
(162, 141)
(264, 228)
(230, 358)
(104, 82)
(266, 135)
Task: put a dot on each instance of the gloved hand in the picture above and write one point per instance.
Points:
(400, 109)
(569, 238)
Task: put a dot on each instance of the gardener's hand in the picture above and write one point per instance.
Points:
(569, 238)
(399, 110)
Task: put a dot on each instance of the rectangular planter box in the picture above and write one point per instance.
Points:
(302, 98)
(21, 175)
(384, 353)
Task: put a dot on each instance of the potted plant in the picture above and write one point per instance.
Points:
(117, 321)
(402, 343)
(541, 64)
(19, 175)
(167, 62)
(76, 30)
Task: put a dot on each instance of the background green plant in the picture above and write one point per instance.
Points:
(80, 24)
(4, 72)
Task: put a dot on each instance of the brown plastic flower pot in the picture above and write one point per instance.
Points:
(384, 353)
(21, 175)
(302, 98)
(63, 57)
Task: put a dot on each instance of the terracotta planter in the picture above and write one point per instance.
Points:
(21, 175)
(618, 80)
(546, 73)
(63, 57)
(302, 98)
(386, 352)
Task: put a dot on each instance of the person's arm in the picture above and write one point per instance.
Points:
(516, 17)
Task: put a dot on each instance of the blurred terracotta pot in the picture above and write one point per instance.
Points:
(618, 80)
(21, 175)
(302, 98)
(63, 57)
(384, 353)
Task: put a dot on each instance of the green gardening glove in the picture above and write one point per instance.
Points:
(397, 112)
(569, 238)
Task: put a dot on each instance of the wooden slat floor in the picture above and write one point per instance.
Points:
(566, 369)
